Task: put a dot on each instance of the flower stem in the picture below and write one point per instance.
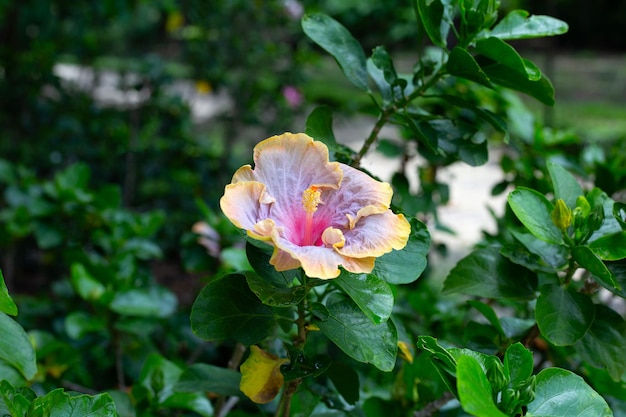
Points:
(393, 108)
(290, 387)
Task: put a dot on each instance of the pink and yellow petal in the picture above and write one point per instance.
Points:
(376, 235)
(316, 261)
(358, 191)
(245, 203)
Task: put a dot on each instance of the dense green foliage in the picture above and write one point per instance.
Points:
(100, 266)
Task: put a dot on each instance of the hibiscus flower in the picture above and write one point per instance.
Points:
(317, 214)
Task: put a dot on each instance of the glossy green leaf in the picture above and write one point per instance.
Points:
(540, 88)
(273, 295)
(603, 344)
(154, 301)
(15, 347)
(434, 21)
(566, 187)
(209, 378)
(462, 64)
(610, 247)
(370, 293)
(563, 315)
(519, 25)
(585, 257)
(534, 211)
(7, 305)
(475, 393)
(503, 53)
(561, 393)
(226, 309)
(552, 255)
(518, 364)
(486, 273)
(381, 59)
(58, 403)
(355, 334)
(406, 265)
(333, 37)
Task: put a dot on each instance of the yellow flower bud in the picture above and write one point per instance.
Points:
(562, 215)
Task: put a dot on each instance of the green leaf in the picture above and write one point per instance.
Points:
(381, 59)
(534, 211)
(333, 37)
(563, 315)
(489, 314)
(370, 293)
(378, 76)
(15, 347)
(444, 358)
(501, 52)
(486, 273)
(566, 187)
(610, 247)
(555, 256)
(518, 364)
(541, 89)
(192, 401)
(346, 380)
(88, 287)
(210, 379)
(80, 323)
(158, 377)
(561, 393)
(585, 257)
(154, 301)
(475, 393)
(61, 404)
(355, 334)
(273, 295)
(434, 21)
(618, 270)
(603, 344)
(406, 265)
(7, 305)
(518, 25)
(462, 64)
(15, 401)
(319, 125)
(226, 309)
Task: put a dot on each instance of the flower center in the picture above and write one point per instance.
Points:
(311, 198)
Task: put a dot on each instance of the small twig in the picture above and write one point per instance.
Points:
(432, 407)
